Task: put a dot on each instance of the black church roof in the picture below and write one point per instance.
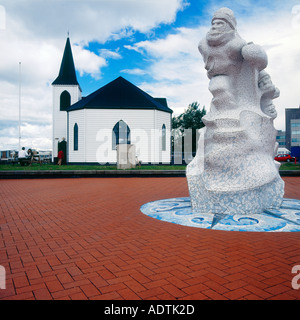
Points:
(120, 94)
(67, 74)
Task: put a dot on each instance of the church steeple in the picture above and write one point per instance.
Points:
(66, 91)
(67, 74)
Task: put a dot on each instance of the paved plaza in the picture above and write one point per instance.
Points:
(86, 238)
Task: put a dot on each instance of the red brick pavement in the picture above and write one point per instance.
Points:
(87, 239)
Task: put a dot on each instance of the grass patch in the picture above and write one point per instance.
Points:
(290, 166)
(50, 167)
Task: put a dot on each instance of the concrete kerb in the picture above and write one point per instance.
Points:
(286, 173)
(35, 174)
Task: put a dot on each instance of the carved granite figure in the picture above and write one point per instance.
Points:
(269, 92)
(234, 169)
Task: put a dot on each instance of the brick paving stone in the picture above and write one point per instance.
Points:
(74, 271)
(195, 288)
(108, 296)
(42, 294)
(278, 289)
(20, 282)
(54, 286)
(30, 288)
(236, 294)
(24, 296)
(262, 294)
(92, 242)
(174, 291)
(197, 296)
(66, 293)
(78, 296)
(89, 290)
(235, 284)
(134, 285)
(128, 294)
(213, 295)
(154, 292)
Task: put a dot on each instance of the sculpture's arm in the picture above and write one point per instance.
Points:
(203, 49)
(255, 55)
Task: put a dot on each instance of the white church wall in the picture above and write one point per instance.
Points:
(100, 129)
(95, 127)
(163, 118)
(77, 117)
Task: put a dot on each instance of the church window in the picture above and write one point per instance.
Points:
(65, 100)
(75, 137)
(163, 138)
(120, 134)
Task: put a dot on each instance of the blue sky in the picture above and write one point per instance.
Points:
(152, 43)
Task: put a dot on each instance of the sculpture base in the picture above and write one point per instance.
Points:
(249, 201)
(179, 211)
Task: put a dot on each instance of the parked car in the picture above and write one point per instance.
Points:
(284, 158)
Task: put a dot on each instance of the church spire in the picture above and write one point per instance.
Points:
(67, 74)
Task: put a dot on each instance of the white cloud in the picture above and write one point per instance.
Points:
(135, 71)
(35, 136)
(91, 20)
(181, 42)
(2, 18)
(88, 62)
(177, 68)
(105, 53)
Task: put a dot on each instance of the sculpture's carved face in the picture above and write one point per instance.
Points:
(218, 26)
(220, 32)
(270, 110)
(265, 83)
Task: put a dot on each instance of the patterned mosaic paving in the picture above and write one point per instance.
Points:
(179, 211)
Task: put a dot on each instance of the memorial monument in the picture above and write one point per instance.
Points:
(234, 170)
(234, 182)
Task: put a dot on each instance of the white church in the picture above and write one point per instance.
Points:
(117, 113)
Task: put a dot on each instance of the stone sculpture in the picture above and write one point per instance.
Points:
(234, 171)
(126, 156)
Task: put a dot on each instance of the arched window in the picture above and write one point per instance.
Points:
(163, 138)
(65, 100)
(75, 137)
(120, 134)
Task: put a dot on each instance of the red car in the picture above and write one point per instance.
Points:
(284, 158)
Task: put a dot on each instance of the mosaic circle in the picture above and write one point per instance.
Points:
(179, 211)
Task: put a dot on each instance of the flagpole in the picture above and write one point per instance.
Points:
(19, 106)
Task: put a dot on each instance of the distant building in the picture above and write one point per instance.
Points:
(292, 127)
(8, 155)
(91, 127)
(280, 138)
(45, 155)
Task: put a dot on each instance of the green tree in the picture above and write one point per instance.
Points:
(191, 118)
